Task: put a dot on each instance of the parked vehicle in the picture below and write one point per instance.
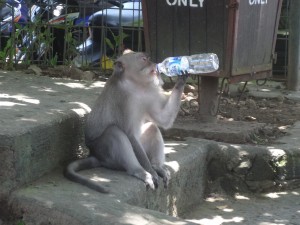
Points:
(13, 14)
(66, 32)
(12, 10)
(120, 25)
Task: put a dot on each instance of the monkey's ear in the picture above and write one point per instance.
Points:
(118, 67)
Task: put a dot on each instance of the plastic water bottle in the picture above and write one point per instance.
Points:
(194, 64)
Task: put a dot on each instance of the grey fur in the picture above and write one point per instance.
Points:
(122, 129)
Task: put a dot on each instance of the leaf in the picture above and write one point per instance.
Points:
(110, 45)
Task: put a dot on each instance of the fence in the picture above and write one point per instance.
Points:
(53, 32)
(280, 66)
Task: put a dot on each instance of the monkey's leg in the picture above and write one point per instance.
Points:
(114, 150)
(153, 144)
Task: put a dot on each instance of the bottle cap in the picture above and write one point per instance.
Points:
(215, 61)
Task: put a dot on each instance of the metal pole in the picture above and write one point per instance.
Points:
(293, 79)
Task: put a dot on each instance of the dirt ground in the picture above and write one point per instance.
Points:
(277, 208)
(277, 113)
(263, 209)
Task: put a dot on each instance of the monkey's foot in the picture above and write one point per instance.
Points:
(147, 178)
(164, 173)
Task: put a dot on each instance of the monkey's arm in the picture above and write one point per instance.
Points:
(165, 113)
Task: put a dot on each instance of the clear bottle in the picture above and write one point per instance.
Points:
(194, 64)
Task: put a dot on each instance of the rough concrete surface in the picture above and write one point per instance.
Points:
(263, 209)
(41, 123)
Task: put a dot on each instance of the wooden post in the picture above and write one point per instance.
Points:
(208, 99)
(293, 79)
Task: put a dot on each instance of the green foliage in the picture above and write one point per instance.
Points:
(117, 42)
(20, 222)
(53, 61)
(40, 35)
(7, 53)
(71, 44)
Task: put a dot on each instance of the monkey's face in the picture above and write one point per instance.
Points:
(136, 66)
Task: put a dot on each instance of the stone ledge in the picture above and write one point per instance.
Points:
(56, 200)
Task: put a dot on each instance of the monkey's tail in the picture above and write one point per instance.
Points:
(71, 172)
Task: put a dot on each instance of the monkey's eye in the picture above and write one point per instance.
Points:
(145, 58)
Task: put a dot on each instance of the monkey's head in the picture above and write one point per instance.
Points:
(137, 67)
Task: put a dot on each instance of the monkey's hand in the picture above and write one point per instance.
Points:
(166, 178)
(154, 178)
(181, 79)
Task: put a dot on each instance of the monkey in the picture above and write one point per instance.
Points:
(122, 130)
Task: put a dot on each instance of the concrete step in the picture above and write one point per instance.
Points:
(56, 200)
(42, 119)
(41, 128)
(41, 124)
(198, 167)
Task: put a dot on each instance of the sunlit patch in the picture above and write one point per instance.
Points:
(97, 84)
(268, 214)
(100, 179)
(28, 119)
(282, 128)
(236, 146)
(79, 112)
(85, 194)
(21, 98)
(136, 218)
(175, 144)
(265, 90)
(228, 210)
(241, 197)
(174, 165)
(170, 147)
(169, 150)
(275, 194)
(46, 89)
(83, 110)
(6, 103)
(295, 193)
(55, 111)
(279, 222)
(71, 85)
(90, 206)
(214, 199)
(276, 152)
(218, 220)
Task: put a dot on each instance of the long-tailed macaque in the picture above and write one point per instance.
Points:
(122, 129)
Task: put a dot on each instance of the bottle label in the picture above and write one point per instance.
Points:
(178, 64)
(174, 65)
